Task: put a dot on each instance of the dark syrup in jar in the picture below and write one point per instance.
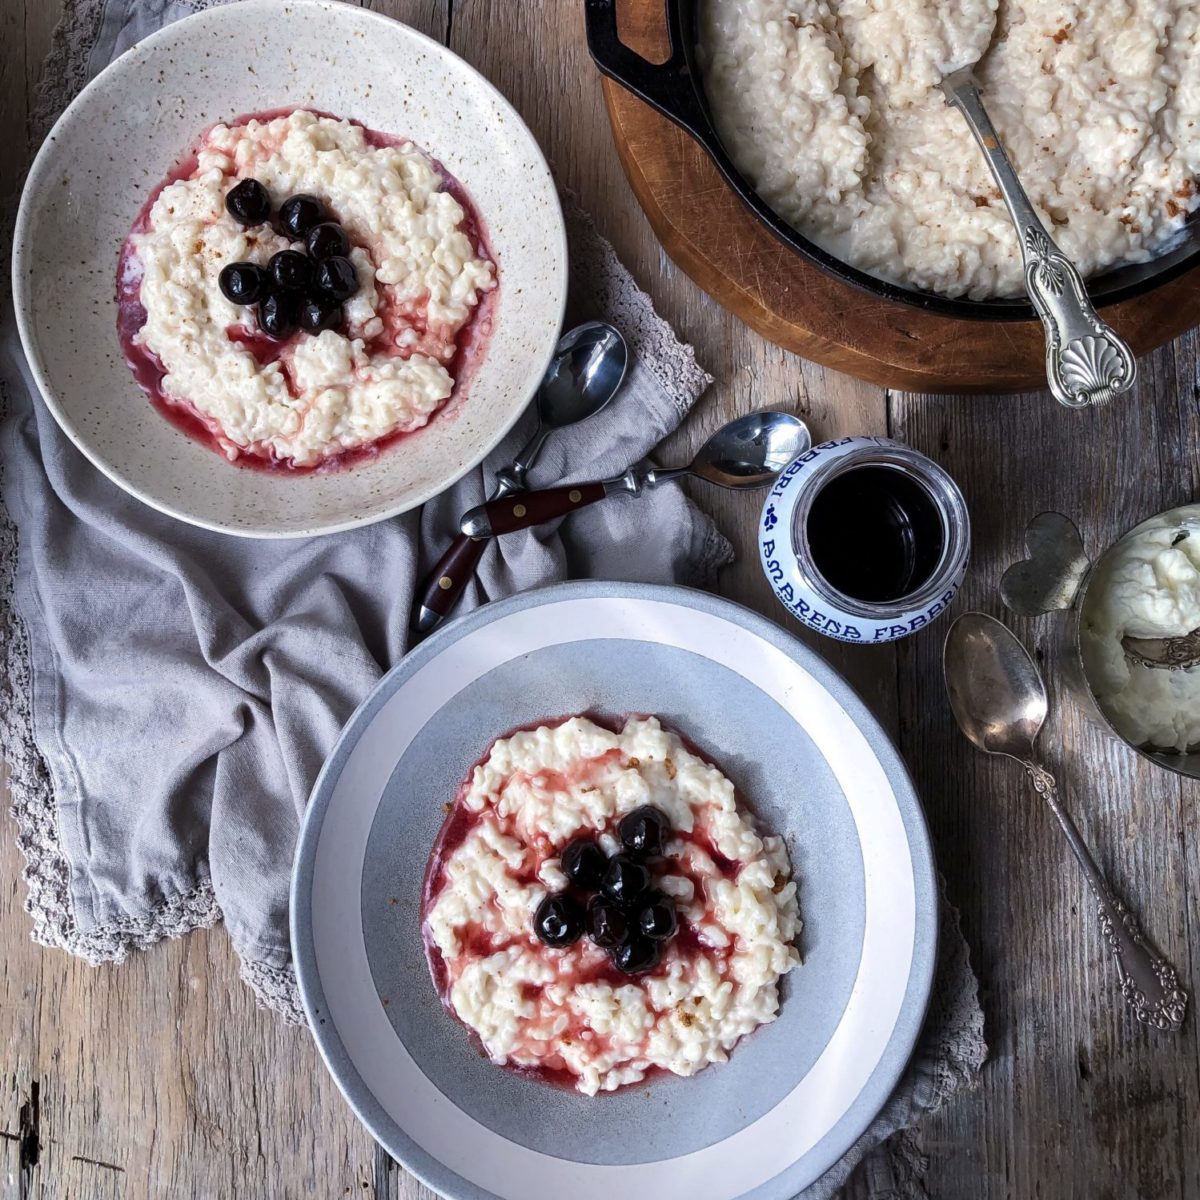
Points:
(875, 534)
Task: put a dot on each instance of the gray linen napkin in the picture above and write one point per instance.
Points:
(156, 782)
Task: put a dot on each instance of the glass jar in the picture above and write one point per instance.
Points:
(864, 539)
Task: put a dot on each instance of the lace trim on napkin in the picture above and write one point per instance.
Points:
(602, 284)
(47, 872)
(65, 70)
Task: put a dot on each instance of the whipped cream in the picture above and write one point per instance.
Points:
(1146, 586)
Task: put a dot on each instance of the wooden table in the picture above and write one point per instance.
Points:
(160, 1076)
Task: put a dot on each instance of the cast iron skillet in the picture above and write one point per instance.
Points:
(675, 89)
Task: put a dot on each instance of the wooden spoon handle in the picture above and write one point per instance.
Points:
(531, 508)
(446, 581)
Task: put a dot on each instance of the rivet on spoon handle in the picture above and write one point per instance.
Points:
(1149, 983)
(1086, 361)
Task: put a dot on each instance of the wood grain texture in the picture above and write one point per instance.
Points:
(160, 1077)
(1077, 1101)
(709, 232)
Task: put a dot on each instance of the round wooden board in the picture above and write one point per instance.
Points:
(710, 234)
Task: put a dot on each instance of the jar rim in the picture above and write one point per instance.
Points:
(943, 492)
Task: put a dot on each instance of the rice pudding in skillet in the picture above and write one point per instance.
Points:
(303, 289)
(832, 110)
(598, 906)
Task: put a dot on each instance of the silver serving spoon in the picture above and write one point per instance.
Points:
(1086, 362)
(999, 700)
(748, 452)
(585, 373)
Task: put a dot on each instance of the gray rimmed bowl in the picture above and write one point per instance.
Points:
(809, 759)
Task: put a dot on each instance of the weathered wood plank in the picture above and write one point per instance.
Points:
(1077, 1102)
(24, 40)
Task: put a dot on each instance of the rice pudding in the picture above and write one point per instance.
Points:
(831, 108)
(571, 1013)
(405, 339)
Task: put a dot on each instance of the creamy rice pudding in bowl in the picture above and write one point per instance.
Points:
(336, 258)
(288, 338)
(827, 119)
(690, 914)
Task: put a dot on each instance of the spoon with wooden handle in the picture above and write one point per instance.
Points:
(585, 373)
(746, 453)
(999, 700)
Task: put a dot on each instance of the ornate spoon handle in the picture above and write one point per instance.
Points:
(1148, 982)
(1086, 362)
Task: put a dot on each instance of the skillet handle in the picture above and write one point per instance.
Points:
(667, 87)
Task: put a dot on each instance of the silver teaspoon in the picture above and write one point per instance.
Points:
(744, 454)
(999, 700)
(1086, 362)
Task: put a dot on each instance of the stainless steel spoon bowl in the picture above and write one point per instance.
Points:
(586, 372)
(999, 700)
(748, 452)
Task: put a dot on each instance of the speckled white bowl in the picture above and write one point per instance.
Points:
(120, 138)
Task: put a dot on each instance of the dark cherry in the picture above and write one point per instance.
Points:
(583, 863)
(318, 313)
(278, 314)
(290, 270)
(336, 275)
(656, 918)
(606, 923)
(248, 202)
(645, 830)
(327, 239)
(636, 956)
(242, 282)
(559, 920)
(625, 879)
(299, 213)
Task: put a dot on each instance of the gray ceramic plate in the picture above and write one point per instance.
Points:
(810, 759)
